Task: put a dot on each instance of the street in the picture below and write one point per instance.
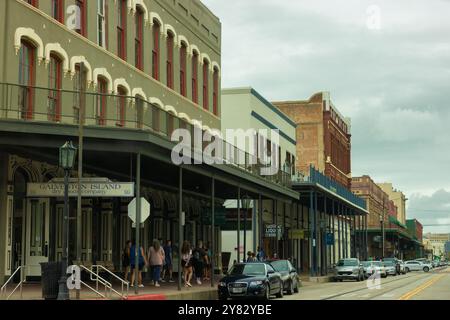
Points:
(434, 285)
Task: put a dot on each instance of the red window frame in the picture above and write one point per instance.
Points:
(122, 30)
(81, 4)
(27, 64)
(155, 51)
(34, 3)
(139, 38)
(102, 90)
(54, 85)
(58, 10)
(216, 91)
(195, 57)
(121, 106)
(205, 85)
(169, 63)
(183, 55)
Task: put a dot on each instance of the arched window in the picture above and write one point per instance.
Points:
(195, 77)
(102, 101)
(205, 84)
(54, 85)
(139, 38)
(81, 4)
(183, 55)
(121, 106)
(122, 29)
(170, 43)
(140, 102)
(58, 10)
(216, 91)
(78, 85)
(27, 65)
(155, 51)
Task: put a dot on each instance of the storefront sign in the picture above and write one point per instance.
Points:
(88, 189)
(271, 231)
(296, 234)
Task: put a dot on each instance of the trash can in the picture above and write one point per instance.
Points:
(50, 275)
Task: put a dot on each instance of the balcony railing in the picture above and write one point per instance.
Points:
(35, 104)
(317, 177)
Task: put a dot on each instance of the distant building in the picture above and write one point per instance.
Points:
(323, 137)
(398, 198)
(438, 242)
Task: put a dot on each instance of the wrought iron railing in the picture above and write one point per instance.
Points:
(37, 104)
(317, 177)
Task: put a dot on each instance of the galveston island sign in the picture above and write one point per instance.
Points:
(90, 187)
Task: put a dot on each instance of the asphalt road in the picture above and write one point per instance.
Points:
(433, 285)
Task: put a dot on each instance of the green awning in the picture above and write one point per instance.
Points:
(396, 222)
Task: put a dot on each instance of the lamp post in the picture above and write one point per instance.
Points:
(382, 234)
(246, 204)
(66, 161)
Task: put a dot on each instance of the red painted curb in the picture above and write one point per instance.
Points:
(148, 297)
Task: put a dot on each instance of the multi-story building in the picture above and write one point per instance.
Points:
(259, 124)
(398, 198)
(131, 72)
(437, 242)
(323, 137)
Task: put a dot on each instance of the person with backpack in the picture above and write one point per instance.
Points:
(142, 262)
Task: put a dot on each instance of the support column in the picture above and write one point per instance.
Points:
(311, 237)
(138, 223)
(181, 222)
(261, 222)
(333, 214)
(366, 236)
(354, 254)
(213, 252)
(323, 238)
(339, 232)
(238, 255)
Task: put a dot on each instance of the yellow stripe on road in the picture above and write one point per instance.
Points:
(419, 289)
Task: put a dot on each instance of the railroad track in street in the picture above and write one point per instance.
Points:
(387, 283)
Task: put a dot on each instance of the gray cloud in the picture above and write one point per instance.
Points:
(393, 82)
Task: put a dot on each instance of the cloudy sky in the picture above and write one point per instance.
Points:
(386, 65)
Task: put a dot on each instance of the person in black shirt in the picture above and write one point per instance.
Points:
(199, 261)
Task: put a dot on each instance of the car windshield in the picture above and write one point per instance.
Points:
(248, 270)
(280, 265)
(347, 263)
(388, 263)
(377, 263)
(366, 263)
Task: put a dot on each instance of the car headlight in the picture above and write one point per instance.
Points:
(256, 283)
(222, 284)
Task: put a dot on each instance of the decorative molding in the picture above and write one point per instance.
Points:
(172, 110)
(181, 39)
(167, 28)
(78, 59)
(156, 102)
(216, 65)
(105, 74)
(193, 48)
(62, 54)
(184, 116)
(142, 5)
(154, 16)
(139, 92)
(123, 83)
(30, 35)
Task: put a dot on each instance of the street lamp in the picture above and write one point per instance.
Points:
(382, 234)
(67, 155)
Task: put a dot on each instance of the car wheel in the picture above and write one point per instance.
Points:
(281, 293)
(426, 269)
(291, 288)
(407, 269)
(267, 296)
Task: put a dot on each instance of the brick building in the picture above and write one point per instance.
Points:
(323, 137)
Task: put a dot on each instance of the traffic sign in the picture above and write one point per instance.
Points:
(145, 210)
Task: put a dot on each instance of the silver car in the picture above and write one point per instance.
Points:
(402, 266)
(348, 269)
(371, 267)
(417, 266)
(390, 267)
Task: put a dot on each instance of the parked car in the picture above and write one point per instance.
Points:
(390, 267)
(414, 265)
(371, 267)
(288, 273)
(402, 266)
(396, 263)
(348, 269)
(251, 280)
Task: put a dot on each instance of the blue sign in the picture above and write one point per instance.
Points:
(330, 239)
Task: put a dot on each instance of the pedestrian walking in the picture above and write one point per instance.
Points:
(199, 261)
(156, 260)
(126, 259)
(167, 271)
(186, 263)
(142, 262)
(260, 256)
